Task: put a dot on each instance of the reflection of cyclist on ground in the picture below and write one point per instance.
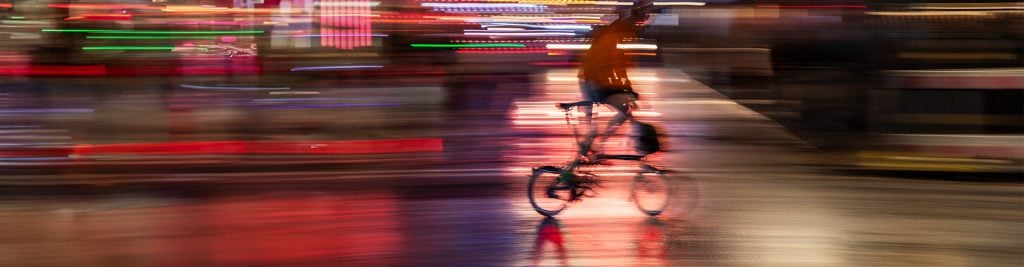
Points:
(603, 76)
(549, 232)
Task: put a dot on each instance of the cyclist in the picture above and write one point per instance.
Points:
(603, 77)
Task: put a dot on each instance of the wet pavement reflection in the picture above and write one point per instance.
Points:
(743, 221)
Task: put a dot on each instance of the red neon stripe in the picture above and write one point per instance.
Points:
(323, 25)
(357, 24)
(36, 152)
(364, 35)
(346, 26)
(199, 148)
(332, 18)
(6, 5)
(341, 41)
(339, 23)
(328, 19)
(54, 70)
(346, 147)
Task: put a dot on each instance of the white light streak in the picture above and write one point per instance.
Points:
(521, 33)
(552, 27)
(504, 29)
(239, 88)
(295, 93)
(931, 13)
(587, 46)
(575, 79)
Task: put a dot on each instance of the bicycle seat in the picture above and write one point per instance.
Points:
(565, 106)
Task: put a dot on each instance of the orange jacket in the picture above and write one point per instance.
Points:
(604, 64)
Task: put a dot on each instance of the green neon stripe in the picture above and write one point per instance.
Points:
(17, 17)
(153, 32)
(128, 48)
(467, 45)
(115, 37)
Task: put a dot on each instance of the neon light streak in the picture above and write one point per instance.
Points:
(238, 88)
(345, 24)
(103, 6)
(225, 10)
(101, 17)
(467, 45)
(501, 51)
(120, 37)
(25, 22)
(496, 26)
(815, 6)
(480, 5)
(678, 3)
(352, 3)
(521, 33)
(325, 24)
(349, 67)
(587, 46)
(294, 93)
(88, 48)
(365, 27)
(615, 3)
(331, 35)
(239, 147)
(153, 32)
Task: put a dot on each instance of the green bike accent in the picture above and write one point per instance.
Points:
(565, 177)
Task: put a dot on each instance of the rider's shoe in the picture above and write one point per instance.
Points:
(564, 106)
(551, 193)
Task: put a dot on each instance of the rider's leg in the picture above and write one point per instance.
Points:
(590, 97)
(588, 111)
(623, 104)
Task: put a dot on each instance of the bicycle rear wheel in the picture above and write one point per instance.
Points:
(542, 181)
(651, 192)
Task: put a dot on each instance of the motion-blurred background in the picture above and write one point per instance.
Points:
(929, 85)
(809, 123)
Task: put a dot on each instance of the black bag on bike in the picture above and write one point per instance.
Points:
(646, 139)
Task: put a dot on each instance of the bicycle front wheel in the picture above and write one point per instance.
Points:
(651, 192)
(547, 196)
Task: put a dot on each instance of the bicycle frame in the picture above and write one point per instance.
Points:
(577, 183)
(581, 157)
